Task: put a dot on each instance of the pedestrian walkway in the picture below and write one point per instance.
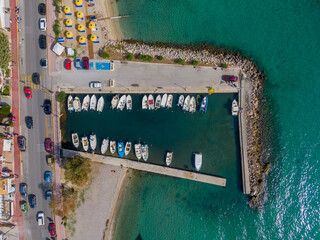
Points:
(27, 82)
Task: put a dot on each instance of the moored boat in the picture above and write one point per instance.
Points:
(197, 160)
(234, 108)
(169, 158)
(114, 101)
(145, 152)
(85, 144)
(137, 149)
(150, 102)
(121, 149)
(112, 147)
(75, 139)
(85, 103)
(193, 105)
(104, 145)
(93, 141)
(169, 101)
(204, 105)
(100, 104)
(181, 101)
(129, 102)
(186, 103)
(164, 100)
(145, 102)
(122, 102)
(127, 148)
(77, 104)
(158, 102)
(70, 103)
(93, 102)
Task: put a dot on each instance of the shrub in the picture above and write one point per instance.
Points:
(64, 200)
(6, 91)
(5, 51)
(77, 170)
(105, 55)
(75, 53)
(56, 28)
(61, 97)
(180, 61)
(5, 110)
(130, 56)
(120, 47)
(144, 57)
(224, 65)
(160, 58)
(195, 62)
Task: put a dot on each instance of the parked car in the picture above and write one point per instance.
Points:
(67, 64)
(95, 84)
(48, 176)
(49, 160)
(24, 206)
(43, 41)
(42, 24)
(77, 62)
(85, 62)
(48, 195)
(29, 122)
(35, 78)
(44, 63)
(23, 190)
(48, 145)
(22, 143)
(32, 201)
(230, 78)
(40, 218)
(28, 92)
(42, 9)
(47, 106)
(52, 229)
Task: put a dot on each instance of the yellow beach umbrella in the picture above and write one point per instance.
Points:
(81, 27)
(69, 34)
(79, 14)
(92, 25)
(68, 22)
(211, 90)
(82, 39)
(67, 9)
(93, 38)
(78, 2)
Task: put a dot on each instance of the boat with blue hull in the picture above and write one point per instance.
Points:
(121, 149)
(204, 105)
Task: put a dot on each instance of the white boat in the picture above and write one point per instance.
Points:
(77, 104)
(113, 147)
(235, 108)
(158, 102)
(169, 158)
(193, 105)
(197, 160)
(181, 101)
(93, 102)
(137, 149)
(129, 102)
(100, 104)
(75, 139)
(164, 100)
(93, 141)
(186, 104)
(204, 105)
(127, 148)
(70, 103)
(104, 145)
(145, 152)
(85, 103)
(85, 144)
(114, 101)
(169, 101)
(145, 102)
(150, 102)
(122, 102)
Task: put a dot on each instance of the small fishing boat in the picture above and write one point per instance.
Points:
(114, 101)
(180, 101)
(169, 158)
(100, 104)
(158, 102)
(193, 105)
(122, 102)
(93, 141)
(186, 104)
(75, 139)
(197, 160)
(169, 101)
(164, 100)
(145, 102)
(234, 108)
(127, 148)
(150, 102)
(104, 145)
(85, 144)
(129, 102)
(145, 152)
(70, 103)
(121, 149)
(137, 149)
(112, 147)
(77, 104)
(93, 102)
(204, 105)
(85, 103)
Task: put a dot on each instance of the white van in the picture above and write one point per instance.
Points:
(40, 218)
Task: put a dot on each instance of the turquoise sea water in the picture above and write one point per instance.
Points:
(283, 38)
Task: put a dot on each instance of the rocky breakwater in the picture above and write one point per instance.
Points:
(217, 56)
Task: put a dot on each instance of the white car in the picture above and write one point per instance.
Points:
(43, 24)
(40, 218)
(95, 85)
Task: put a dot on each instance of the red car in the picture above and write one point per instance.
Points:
(85, 61)
(230, 78)
(52, 229)
(28, 92)
(67, 64)
(48, 145)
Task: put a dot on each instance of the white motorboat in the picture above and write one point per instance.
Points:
(145, 152)
(169, 101)
(113, 147)
(145, 102)
(181, 101)
(85, 103)
(137, 149)
(114, 101)
(75, 139)
(235, 108)
(169, 158)
(93, 141)
(164, 100)
(93, 102)
(186, 104)
(85, 144)
(193, 105)
(127, 148)
(197, 160)
(158, 102)
(150, 102)
(70, 103)
(104, 145)
(129, 102)
(100, 104)
(77, 104)
(122, 102)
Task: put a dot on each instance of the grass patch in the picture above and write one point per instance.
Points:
(130, 56)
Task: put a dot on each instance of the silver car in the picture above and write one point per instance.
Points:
(42, 24)
(95, 84)
(77, 62)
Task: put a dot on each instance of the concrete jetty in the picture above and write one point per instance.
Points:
(144, 166)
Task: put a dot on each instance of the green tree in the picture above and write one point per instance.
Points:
(64, 200)
(61, 97)
(77, 170)
(5, 109)
(5, 52)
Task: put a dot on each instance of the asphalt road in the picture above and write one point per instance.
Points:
(34, 158)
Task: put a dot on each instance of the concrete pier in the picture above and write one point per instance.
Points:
(145, 166)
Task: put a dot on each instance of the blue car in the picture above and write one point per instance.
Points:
(23, 190)
(32, 201)
(48, 195)
(48, 177)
